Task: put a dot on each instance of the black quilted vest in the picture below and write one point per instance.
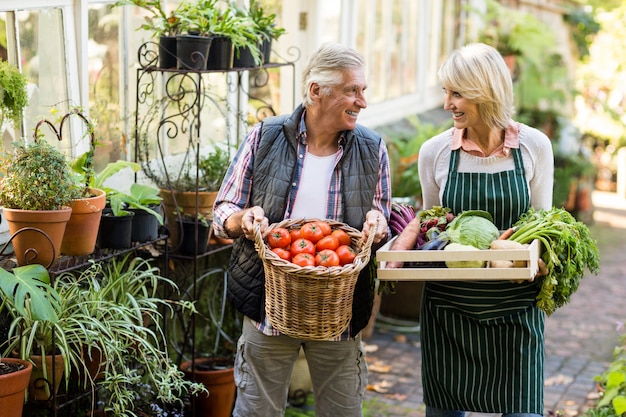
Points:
(274, 172)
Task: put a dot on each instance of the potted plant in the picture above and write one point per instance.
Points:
(207, 19)
(264, 25)
(188, 193)
(126, 311)
(217, 326)
(14, 95)
(145, 202)
(81, 231)
(515, 34)
(165, 26)
(36, 194)
(14, 377)
(34, 307)
(194, 232)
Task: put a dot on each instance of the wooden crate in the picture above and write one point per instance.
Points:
(414, 273)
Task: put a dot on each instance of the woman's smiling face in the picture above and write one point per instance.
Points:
(340, 109)
(465, 112)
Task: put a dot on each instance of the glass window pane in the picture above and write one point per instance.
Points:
(43, 61)
(104, 71)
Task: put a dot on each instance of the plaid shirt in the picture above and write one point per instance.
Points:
(235, 192)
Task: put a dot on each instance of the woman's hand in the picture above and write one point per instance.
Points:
(376, 223)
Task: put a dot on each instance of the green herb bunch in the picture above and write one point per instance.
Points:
(569, 251)
(37, 178)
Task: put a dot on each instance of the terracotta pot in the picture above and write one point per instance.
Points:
(82, 228)
(219, 382)
(33, 246)
(13, 388)
(185, 201)
(39, 388)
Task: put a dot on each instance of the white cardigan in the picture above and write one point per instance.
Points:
(434, 163)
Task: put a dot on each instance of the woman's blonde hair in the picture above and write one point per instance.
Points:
(326, 66)
(478, 72)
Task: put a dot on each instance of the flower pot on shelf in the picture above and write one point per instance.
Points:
(221, 54)
(244, 58)
(217, 375)
(82, 228)
(167, 52)
(266, 50)
(37, 234)
(187, 233)
(115, 231)
(42, 387)
(13, 387)
(145, 226)
(192, 51)
(184, 202)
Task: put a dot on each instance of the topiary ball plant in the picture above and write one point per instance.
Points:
(37, 178)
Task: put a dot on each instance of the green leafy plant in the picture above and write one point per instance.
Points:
(206, 18)
(119, 308)
(264, 23)
(160, 22)
(612, 386)
(37, 178)
(142, 196)
(568, 252)
(211, 168)
(13, 94)
(404, 146)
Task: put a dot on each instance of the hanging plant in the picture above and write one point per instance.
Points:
(13, 94)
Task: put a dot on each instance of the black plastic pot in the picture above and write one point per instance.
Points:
(188, 234)
(244, 58)
(167, 52)
(115, 231)
(145, 225)
(192, 51)
(220, 54)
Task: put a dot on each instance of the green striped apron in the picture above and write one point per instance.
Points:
(482, 341)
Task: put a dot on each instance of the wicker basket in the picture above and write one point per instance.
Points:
(311, 302)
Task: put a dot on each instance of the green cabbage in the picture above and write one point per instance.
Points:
(474, 228)
(462, 264)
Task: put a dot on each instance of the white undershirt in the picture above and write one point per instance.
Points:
(312, 193)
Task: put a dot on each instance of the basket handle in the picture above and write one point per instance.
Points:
(258, 240)
(367, 245)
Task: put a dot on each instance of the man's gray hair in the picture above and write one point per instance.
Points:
(325, 68)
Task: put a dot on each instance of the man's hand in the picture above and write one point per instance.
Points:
(242, 222)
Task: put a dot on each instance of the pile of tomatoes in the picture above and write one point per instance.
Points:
(315, 243)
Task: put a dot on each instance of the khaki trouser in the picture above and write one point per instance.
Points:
(264, 365)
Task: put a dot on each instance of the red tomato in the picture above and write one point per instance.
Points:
(295, 234)
(304, 259)
(311, 231)
(327, 257)
(327, 242)
(302, 246)
(282, 253)
(279, 238)
(326, 229)
(346, 254)
(342, 236)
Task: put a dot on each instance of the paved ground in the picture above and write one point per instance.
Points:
(580, 337)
